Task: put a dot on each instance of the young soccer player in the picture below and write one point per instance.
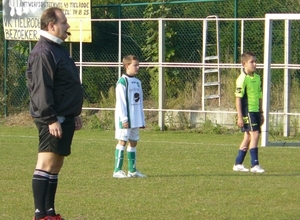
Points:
(250, 115)
(129, 117)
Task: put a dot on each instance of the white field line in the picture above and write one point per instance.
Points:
(146, 141)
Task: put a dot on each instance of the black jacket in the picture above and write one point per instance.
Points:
(53, 82)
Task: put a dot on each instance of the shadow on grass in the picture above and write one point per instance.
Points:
(227, 175)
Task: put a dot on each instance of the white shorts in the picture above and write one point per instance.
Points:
(131, 134)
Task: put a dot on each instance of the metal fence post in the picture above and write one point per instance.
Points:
(161, 72)
(5, 78)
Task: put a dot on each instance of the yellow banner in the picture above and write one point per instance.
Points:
(21, 18)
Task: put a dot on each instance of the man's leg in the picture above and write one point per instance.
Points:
(44, 184)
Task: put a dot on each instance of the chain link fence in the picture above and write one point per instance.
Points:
(183, 42)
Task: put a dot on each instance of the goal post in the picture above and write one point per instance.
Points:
(287, 18)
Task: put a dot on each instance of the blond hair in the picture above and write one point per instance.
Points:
(127, 60)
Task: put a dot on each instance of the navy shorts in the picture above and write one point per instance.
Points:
(49, 143)
(252, 122)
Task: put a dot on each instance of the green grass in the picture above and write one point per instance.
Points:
(189, 177)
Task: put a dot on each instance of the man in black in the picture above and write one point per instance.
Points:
(56, 98)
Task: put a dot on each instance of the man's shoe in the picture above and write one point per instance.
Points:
(136, 174)
(55, 217)
(119, 174)
(240, 167)
(257, 169)
(48, 217)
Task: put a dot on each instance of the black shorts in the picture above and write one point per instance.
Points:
(49, 143)
(252, 122)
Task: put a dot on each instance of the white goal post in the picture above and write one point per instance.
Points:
(287, 18)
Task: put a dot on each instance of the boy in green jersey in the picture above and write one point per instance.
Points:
(250, 115)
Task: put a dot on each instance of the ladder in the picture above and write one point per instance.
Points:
(211, 83)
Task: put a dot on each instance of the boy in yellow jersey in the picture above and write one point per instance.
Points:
(250, 115)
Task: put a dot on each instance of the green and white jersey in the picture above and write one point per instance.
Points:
(248, 88)
(129, 102)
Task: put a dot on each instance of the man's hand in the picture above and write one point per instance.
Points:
(78, 123)
(55, 129)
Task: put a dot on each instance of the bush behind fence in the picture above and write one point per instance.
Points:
(183, 45)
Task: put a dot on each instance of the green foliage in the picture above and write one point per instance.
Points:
(103, 120)
(17, 95)
(211, 128)
(183, 44)
(150, 48)
(97, 81)
(94, 123)
(295, 126)
(156, 128)
(21, 49)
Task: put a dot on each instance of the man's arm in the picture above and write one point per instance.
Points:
(42, 69)
(238, 103)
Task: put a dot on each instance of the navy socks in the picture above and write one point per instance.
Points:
(240, 157)
(254, 156)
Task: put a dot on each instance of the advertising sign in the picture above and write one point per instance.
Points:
(21, 18)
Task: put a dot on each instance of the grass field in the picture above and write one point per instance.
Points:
(189, 177)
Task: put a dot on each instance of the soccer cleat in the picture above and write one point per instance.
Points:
(48, 217)
(240, 167)
(136, 174)
(257, 169)
(56, 217)
(119, 174)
